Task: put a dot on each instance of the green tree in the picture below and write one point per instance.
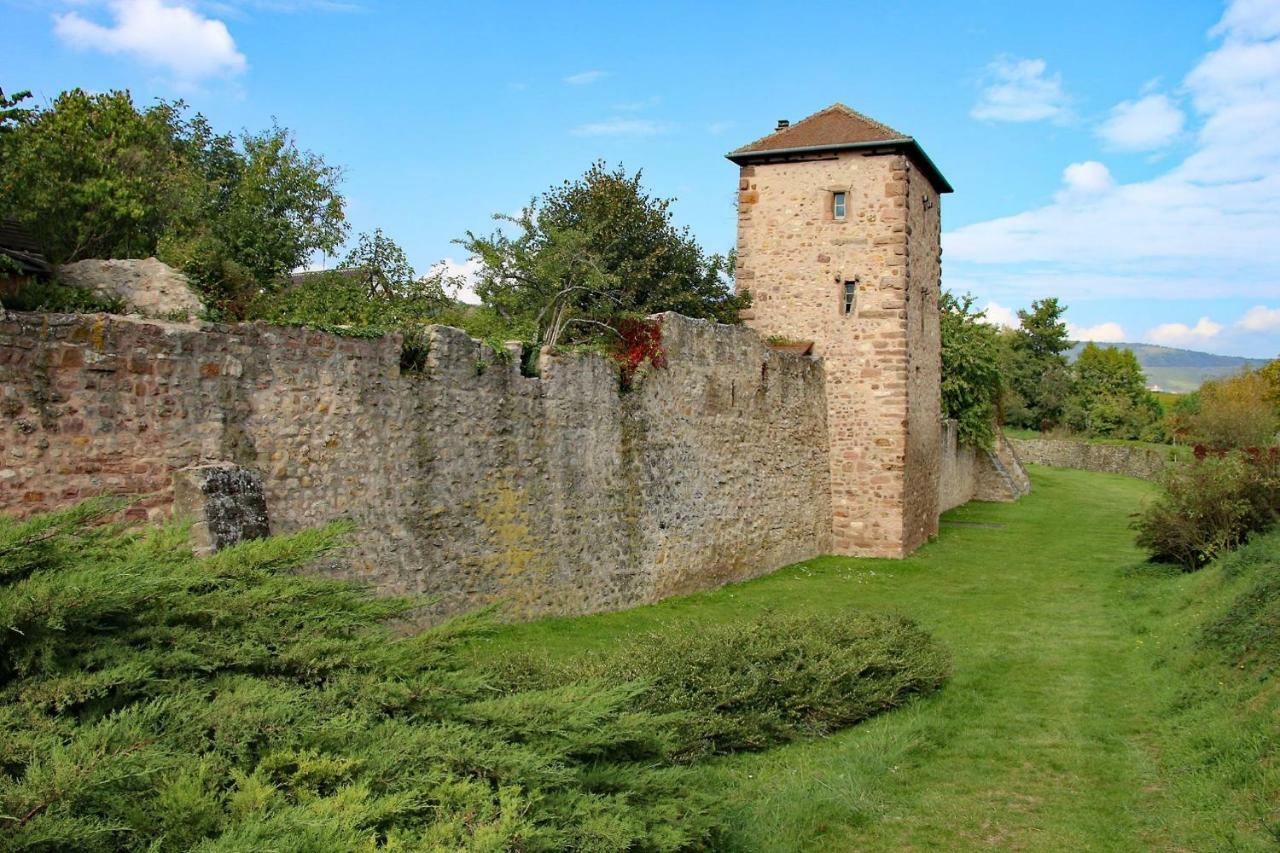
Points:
(593, 250)
(1109, 396)
(1035, 369)
(971, 380)
(1270, 373)
(385, 270)
(92, 176)
(264, 207)
(95, 176)
(1236, 411)
(11, 113)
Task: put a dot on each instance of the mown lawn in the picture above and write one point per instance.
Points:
(1077, 718)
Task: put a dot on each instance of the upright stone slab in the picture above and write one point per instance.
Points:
(226, 503)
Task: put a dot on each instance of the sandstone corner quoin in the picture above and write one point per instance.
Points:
(559, 493)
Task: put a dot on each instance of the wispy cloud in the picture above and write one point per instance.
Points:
(1255, 330)
(1020, 90)
(161, 35)
(585, 78)
(716, 128)
(1207, 226)
(1147, 124)
(620, 127)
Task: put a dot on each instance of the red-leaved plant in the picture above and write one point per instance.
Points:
(639, 343)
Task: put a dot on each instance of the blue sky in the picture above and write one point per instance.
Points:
(1124, 157)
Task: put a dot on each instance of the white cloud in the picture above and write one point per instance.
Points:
(1207, 226)
(172, 37)
(1261, 18)
(1182, 335)
(998, 315)
(620, 127)
(1103, 333)
(1087, 178)
(1020, 90)
(716, 128)
(1260, 318)
(460, 278)
(1146, 124)
(584, 78)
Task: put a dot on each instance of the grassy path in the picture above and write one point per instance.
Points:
(1043, 739)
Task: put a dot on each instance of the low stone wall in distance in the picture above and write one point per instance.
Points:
(467, 481)
(1146, 463)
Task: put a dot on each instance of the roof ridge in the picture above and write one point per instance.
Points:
(840, 105)
(837, 107)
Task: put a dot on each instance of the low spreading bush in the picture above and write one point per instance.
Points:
(756, 684)
(1211, 505)
(152, 700)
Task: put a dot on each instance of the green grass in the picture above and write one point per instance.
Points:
(1083, 713)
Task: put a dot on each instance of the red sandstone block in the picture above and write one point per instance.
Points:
(210, 369)
(32, 497)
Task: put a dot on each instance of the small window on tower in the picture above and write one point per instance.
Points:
(850, 296)
(837, 205)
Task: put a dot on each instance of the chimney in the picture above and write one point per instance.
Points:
(783, 124)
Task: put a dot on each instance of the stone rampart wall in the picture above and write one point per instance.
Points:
(968, 473)
(467, 481)
(1144, 462)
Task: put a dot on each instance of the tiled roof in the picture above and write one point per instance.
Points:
(836, 125)
(835, 128)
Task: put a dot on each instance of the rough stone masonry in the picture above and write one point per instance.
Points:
(839, 243)
(470, 482)
(467, 481)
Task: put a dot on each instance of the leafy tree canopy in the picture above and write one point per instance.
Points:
(1109, 396)
(95, 176)
(384, 267)
(12, 113)
(1237, 411)
(971, 380)
(596, 249)
(1042, 332)
(92, 176)
(1037, 379)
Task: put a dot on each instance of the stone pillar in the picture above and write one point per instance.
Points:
(225, 502)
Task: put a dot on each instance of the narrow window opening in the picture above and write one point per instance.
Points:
(837, 205)
(850, 296)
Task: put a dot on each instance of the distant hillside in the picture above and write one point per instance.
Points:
(1179, 370)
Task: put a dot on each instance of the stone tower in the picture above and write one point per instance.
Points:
(839, 244)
